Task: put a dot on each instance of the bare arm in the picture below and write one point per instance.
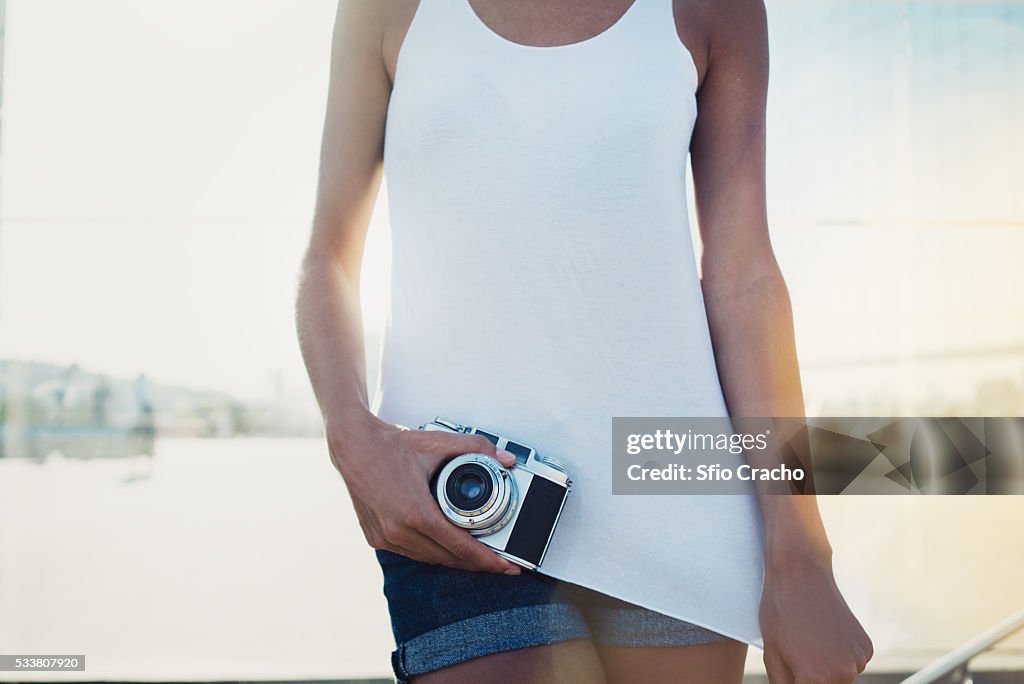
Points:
(367, 451)
(328, 315)
(751, 324)
(747, 300)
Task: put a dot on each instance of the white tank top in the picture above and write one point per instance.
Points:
(543, 280)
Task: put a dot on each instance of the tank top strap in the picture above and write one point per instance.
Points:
(652, 21)
(652, 30)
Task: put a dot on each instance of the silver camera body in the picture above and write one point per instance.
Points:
(512, 510)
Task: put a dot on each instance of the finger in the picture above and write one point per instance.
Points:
(403, 538)
(506, 458)
(860, 659)
(449, 445)
(403, 551)
(481, 445)
(465, 547)
(778, 671)
(456, 445)
(869, 647)
(422, 548)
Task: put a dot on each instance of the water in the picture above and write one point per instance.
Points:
(242, 559)
(234, 559)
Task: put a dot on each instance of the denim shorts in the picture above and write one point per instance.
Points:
(442, 616)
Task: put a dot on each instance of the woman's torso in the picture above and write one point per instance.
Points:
(543, 280)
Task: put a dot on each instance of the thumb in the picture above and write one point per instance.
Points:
(505, 458)
(482, 445)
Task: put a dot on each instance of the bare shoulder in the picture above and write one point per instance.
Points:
(722, 29)
(396, 16)
(373, 29)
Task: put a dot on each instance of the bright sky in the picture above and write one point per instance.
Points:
(159, 162)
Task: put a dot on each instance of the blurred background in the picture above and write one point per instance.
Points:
(167, 506)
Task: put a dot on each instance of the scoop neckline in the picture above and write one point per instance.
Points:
(522, 46)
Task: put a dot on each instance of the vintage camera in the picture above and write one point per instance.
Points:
(514, 511)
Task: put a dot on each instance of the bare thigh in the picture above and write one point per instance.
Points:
(565, 662)
(720, 662)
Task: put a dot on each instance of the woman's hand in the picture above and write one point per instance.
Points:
(387, 470)
(810, 634)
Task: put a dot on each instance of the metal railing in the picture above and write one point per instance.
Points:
(956, 661)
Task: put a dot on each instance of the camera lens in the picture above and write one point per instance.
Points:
(476, 493)
(469, 487)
